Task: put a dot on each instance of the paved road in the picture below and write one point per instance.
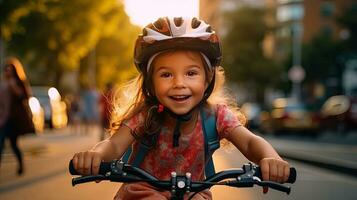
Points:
(312, 183)
(46, 174)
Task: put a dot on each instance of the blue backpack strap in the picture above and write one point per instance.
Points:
(139, 156)
(144, 148)
(211, 138)
(127, 154)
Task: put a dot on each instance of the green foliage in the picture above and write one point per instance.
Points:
(11, 12)
(242, 49)
(319, 58)
(349, 21)
(324, 56)
(114, 54)
(54, 37)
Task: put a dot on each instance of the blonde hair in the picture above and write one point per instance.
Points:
(130, 99)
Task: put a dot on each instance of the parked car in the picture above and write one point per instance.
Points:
(38, 116)
(55, 110)
(289, 115)
(339, 113)
(252, 113)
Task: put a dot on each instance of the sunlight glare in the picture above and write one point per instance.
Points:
(142, 12)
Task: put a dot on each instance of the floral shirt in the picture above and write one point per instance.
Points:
(189, 155)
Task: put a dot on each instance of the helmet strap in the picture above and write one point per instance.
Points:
(177, 132)
(209, 89)
(179, 119)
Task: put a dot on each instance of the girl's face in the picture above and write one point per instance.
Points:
(179, 80)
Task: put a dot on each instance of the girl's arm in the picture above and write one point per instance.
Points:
(259, 151)
(116, 145)
(88, 162)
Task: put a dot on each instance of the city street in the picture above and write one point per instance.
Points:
(286, 69)
(47, 177)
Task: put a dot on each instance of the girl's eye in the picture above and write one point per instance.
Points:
(192, 73)
(165, 75)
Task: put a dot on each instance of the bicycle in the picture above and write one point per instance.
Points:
(118, 171)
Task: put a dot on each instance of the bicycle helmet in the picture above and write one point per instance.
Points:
(176, 33)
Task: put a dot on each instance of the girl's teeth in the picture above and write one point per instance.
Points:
(179, 97)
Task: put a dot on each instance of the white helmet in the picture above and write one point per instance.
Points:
(176, 33)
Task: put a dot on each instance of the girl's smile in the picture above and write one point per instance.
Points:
(180, 98)
(179, 80)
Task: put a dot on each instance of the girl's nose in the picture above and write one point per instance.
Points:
(179, 82)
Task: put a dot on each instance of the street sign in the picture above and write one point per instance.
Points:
(296, 74)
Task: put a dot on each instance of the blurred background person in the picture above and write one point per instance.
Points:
(18, 121)
(105, 106)
(90, 111)
(75, 109)
(4, 105)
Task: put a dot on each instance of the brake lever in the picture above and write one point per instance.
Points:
(245, 179)
(248, 180)
(273, 185)
(85, 179)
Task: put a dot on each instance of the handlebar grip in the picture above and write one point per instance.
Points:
(71, 169)
(103, 168)
(292, 175)
(291, 178)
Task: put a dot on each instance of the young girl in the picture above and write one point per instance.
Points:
(178, 62)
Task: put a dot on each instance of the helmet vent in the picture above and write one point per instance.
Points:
(178, 21)
(209, 29)
(158, 23)
(195, 22)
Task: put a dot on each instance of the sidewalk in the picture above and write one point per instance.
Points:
(34, 143)
(338, 157)
(39, 143)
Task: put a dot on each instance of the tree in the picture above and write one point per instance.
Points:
(59, 34)
(243, 53)
(324, 57)
(319, 58)
(348, 20)
(114, 55)
(11, 12)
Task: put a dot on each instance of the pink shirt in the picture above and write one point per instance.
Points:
(189, 156)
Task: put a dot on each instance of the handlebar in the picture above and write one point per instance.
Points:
(118, 171)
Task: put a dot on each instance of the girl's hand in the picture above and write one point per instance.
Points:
(274, 169)
(87, 162)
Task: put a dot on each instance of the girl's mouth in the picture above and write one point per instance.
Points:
(180, 97)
